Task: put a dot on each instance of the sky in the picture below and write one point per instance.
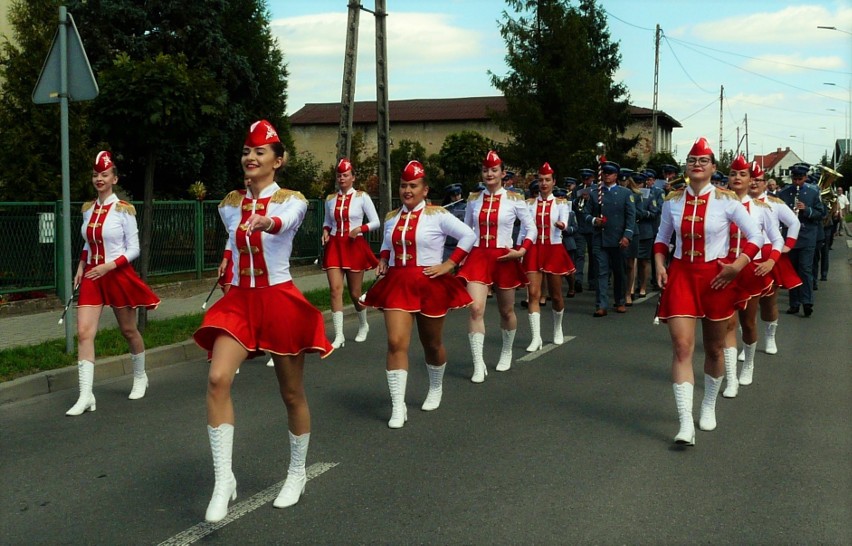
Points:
(770, 57)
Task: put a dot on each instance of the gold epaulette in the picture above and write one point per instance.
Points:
(760, 203)
(282, 195)
(531, 200)
(473, 196)
(87, 205)
(331, 197)
(391, 214)
(728, 194)
(125, 207)
(434, 209)
(674, 194)
(233, 199)
(359, 193)
(774, 199)
(515, 196)
(561, 200)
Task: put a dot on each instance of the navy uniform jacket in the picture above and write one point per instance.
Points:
(658, 195)
(811, 217)
(568, 233)
(620, 211)
(578, 199)
(457, 209)
(644, 217)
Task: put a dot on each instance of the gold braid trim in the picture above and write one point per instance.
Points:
(391, 214)
(760, 203)
(434, 209)
(514, 196)
(233, 199)
(125, 207)
(331, 197)
(728, 194)
(473, 196)
(776, 200)
(282, 195)
(87, 205)
(676, 194)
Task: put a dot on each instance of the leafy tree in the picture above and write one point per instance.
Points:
(657, 160)
(559, 91)
(461, 157)
(406, 150)
(303, 174)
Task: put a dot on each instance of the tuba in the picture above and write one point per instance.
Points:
(827, 191)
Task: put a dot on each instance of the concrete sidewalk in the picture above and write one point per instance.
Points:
(42, 326)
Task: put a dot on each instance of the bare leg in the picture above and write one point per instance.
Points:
(335, 288)
(478, 292)
(126, 318)
(289, 369)
(398, 325)
(228, 354)
(87, 328)
(355, 280)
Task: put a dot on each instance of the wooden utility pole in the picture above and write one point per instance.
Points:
(656, 89)
(746, 137)
(382, 109)
(347, 95)
(721, 107)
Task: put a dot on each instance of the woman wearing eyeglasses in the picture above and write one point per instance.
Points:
(698, 284)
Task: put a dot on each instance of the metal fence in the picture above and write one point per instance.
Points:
(188, 237)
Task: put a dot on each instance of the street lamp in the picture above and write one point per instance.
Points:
(835, 28)
(848, 127)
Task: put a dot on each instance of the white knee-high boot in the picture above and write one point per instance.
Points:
(337, 321)
(558, 337)
(771, 348)
(363, 326)
(683, 400)
(436, 387)
(535, 327)
(505, 361)
(86, 400)
(225, 488)
(707, 420)
(294, 485)
(140, 378)
(747, 373)
(477, 341)
(396, 385)
(732, 387)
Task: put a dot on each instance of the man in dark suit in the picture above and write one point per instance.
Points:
(611, 211)
(805, 201)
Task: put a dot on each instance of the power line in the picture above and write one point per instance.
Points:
(628, 24)
(711, 103)
(684, 69)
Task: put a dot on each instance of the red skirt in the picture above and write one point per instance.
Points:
(481, 266)
(688, 293)
(784, 274)
(120, 287)
(551, 259)
(276, 319)
(750, 283)
(408, 289)
(347, 253)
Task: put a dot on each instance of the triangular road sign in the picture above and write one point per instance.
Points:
(81, 80)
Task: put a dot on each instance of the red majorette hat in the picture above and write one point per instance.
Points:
(701, 147)
(260, 133)
(344, 165)
(740, 163)
(413, 171)
(491, 160)
(545, 169)
(755, 170)
(103, 161)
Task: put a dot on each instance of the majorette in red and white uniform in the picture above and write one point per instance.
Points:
(414, 240)
(110, 234)
(264, 310)
(771, 241)
(343, 213)
(701, 224)
(547, 254)
(784, 274)
(492, 218)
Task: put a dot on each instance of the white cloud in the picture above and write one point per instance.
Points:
(789, 64)
(780, 27)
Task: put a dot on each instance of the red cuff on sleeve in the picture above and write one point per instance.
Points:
(458, 255)
(365, 228)
(661, 248)
(527, 244)
(789, 242)
(774, 255)
(276, 224)
(227, 254)
(385, 255)
(121, 261)
(326, 229)
(751, 250)
(84, 256)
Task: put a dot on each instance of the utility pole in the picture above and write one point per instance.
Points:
(382, 107)
(656, 89)
(746, 136)
(721, 109)
(347, 95)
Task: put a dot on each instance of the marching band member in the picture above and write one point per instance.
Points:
(546, 257)
(783, 274)
(583, 236)
(105, 277)
(417, 286)
(346, 248)
(698, 284)
(454, 204)
(755, 279)
(493, 262)
(263, 310)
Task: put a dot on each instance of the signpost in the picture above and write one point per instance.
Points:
(66, 76)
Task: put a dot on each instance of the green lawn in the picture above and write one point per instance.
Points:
(50, 355)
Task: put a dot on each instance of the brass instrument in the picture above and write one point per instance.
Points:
(679, 182)
(827, 191)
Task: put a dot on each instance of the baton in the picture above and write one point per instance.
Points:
(210, 295)
(657, 310)
(68, 304)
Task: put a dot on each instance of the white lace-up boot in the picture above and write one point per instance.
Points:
(558, 337)
(337, 320)
(396, 384)
(683, 400)
(294, 485)
(363, 326)
(225, 488)
(436, 387)
(771, 348)
(505, 362)
(707, 419)
(477, 341)
(86, 400)
(140, 378)
(732, 387)
(535, 327)
(747, 373)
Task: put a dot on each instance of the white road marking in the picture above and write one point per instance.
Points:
(236, 511)
(544, 350)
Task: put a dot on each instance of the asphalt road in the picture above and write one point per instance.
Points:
(572, 446)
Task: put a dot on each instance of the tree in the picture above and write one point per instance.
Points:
(406, 150)
(560, 94)
(461, 157)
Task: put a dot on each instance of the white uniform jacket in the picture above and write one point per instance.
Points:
(492, 218)
(109, 232)
(262, 258)
(770, 234)
(784, 215)
(546, 214)
(345, 212)
(431, 226)
(702, 224)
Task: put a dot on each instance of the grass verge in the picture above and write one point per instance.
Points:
(50, 355)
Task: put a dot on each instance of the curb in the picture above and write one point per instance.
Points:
(61, 379)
